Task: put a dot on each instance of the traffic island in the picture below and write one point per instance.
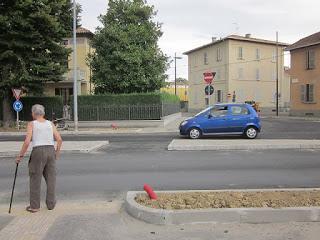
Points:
(11, 149)
(226, 206)
(241, 144)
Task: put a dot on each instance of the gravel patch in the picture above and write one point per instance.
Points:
(256, 199)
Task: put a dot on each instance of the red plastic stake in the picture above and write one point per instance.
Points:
(150, 192)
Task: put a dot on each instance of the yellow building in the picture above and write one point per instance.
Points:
(182, 90)
(245, 70)
(65, 87)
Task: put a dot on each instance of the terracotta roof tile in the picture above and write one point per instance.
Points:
(239, 38)
(84, 31)
(311, 40)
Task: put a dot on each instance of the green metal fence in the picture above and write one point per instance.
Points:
(108, 112)
(126, 112)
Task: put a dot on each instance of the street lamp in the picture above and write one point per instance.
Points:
(175, 72)
(74, 57)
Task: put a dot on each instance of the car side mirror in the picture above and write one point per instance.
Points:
(210, 115)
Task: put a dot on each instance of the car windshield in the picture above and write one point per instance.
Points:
(203, 111)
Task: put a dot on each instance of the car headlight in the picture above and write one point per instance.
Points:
(184, 123)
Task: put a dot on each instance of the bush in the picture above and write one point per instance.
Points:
(1, 113)
(169, 98)
(127, 99)
(51, 104)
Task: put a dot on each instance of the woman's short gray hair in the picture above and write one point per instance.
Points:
(38, 110)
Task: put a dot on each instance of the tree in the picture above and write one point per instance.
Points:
(78, 13)
(30, 51)
(127, 57)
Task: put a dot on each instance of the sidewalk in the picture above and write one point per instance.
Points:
(107, 221)
(9, 149)
(241, 144)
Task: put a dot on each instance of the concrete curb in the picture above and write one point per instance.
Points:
(241, 144)
(228, 215)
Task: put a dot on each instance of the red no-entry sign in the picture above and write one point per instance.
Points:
(208, 77)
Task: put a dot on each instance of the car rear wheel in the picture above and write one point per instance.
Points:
(195, 133)
(251, 133)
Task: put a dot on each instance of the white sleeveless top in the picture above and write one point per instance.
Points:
(42, 133)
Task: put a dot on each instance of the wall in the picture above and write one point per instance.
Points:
(196, 69)
(253, 78)
(227, 79)
(83, 49)
(300, 75)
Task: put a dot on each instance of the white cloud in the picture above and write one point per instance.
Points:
(191, 23)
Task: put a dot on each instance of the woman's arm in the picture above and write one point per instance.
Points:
(26, 143)
(58, 139)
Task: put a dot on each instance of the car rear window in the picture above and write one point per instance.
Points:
(239, 110)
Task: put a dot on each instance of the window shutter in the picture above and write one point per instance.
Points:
(303, 93)
(311, 92)
(312, 59)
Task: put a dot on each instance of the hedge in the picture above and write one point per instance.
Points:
(55, 104)
(127, 99)
(51, 104)
(1, 113)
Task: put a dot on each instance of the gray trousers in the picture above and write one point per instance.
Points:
(42, 163)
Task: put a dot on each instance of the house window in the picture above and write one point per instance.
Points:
(307, 93)
(240, 73)
(240, 53)
(219, 56)
(311, 59)
(219, 96)
(65, 93)
(257, 74)
(257, 54)
(65, 42)
(205, 58)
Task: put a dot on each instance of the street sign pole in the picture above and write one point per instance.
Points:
(209, 96)
(18, 127)
(17, 106)
(208, 78)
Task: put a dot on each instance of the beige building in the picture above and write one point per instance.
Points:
(245, 70)
(65, 87)
(305, 76)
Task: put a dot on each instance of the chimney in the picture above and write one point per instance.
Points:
(248, 35)
(214, 39)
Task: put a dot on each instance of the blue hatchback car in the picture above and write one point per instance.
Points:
(223, 119)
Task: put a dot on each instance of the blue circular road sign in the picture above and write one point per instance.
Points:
(17, 106)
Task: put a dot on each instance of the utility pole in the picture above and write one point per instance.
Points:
(175, 72)
(277, 80)
(74, 57)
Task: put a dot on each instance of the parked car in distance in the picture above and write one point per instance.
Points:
(223, 119)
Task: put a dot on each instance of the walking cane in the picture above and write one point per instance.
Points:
(14, 183)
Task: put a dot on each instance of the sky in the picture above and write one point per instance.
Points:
(191, 23)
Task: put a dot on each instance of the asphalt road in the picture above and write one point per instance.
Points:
(132, 160)
(282, 128)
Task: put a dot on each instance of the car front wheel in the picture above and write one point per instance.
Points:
(195, 133)
(251, 133)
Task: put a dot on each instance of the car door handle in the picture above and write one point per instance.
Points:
(235, 118)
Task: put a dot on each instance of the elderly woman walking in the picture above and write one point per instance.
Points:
(43, 157)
